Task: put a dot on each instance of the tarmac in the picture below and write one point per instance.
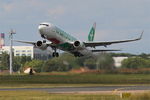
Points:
(92, 89)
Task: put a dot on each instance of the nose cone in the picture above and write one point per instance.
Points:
(43, 27)
(41, 30)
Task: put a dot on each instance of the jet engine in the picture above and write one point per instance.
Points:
(78, 44)
(41, 45)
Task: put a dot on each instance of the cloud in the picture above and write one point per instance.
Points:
(8, 7)
(56, 11)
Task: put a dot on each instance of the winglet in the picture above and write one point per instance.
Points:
(141, 35)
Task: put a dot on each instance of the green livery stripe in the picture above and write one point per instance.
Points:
(66, 46)
(65, 35)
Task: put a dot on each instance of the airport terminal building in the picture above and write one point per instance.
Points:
(34, 53)
(31, 51)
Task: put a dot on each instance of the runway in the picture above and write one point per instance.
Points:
(83, 89)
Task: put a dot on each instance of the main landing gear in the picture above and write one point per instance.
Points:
(55, 54)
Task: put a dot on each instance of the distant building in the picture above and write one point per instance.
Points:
(2, 40)
(34, 53)
(118, 60)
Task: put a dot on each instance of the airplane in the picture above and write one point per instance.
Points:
(58, 39)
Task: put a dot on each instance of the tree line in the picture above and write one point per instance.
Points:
(66, 62)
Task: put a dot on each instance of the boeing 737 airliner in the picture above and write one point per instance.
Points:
(63, 41)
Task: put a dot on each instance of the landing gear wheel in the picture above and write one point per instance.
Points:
(55, 54)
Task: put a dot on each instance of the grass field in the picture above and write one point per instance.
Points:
(62, 80)
(55, 80)
(36, 95)
(76, 79)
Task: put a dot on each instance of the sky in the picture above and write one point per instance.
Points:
(116, 20)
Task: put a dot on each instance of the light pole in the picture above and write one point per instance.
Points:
(10, 54)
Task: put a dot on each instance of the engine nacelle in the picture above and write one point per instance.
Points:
(78, 44)
(41, 45)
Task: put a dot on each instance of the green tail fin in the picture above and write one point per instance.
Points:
(92, 33)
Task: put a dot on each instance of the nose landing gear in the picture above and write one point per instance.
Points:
(43, 36)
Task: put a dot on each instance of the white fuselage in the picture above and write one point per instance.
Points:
(58, 37)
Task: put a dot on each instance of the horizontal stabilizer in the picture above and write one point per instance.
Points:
(104, 50)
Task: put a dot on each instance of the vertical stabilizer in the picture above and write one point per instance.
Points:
(92, 33)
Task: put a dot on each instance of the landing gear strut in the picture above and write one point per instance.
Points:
(55, 54)
(43, 36)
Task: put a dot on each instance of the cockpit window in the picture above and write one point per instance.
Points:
(44, 24)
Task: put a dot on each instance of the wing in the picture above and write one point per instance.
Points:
(94, 44)
(27, 42)
(34, 43)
